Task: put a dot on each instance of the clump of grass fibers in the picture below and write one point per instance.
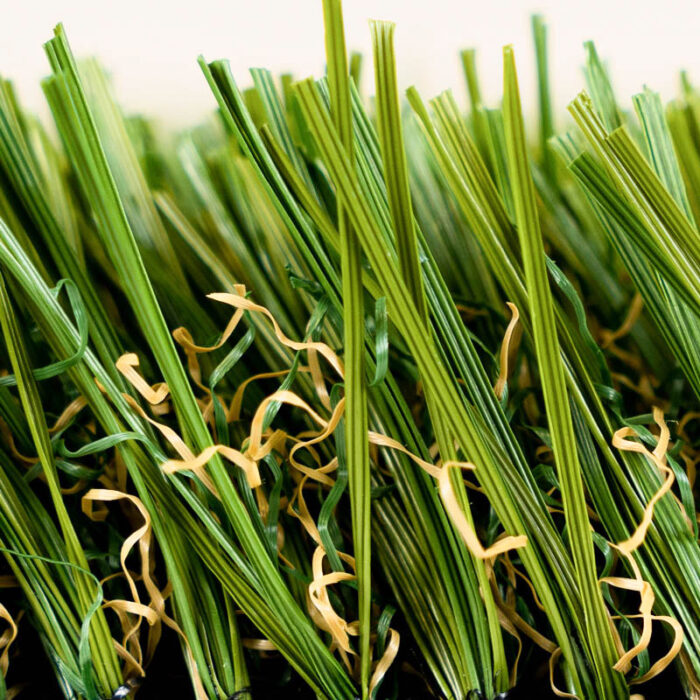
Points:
(348, 398)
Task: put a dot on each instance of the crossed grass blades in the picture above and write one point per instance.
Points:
(350, 398)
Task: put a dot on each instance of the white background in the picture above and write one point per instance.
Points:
(150, 47)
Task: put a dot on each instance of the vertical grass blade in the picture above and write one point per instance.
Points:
(539, 32)
(491, 654)
(356, 445)
(601, 647)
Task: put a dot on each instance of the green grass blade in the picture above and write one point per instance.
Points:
(610, 683)
(356, 445)
(539, 32)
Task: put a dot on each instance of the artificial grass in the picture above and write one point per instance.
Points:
(350, 397)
